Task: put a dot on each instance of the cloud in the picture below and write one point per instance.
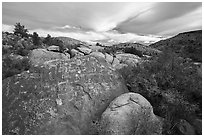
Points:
(113, 22)
(164, 17)
(191, 21)
(8, 28)
(108, 37)
(91, 16)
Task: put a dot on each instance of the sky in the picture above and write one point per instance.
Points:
(111, 22)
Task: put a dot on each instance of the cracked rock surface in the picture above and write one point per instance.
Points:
(40, 56)
(130, 114)
(59, 97)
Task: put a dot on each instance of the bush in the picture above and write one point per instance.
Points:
(109, 50)
(36, 39)
(172, 86)
(134, 51)
(59, 43)
(12, 66)
(54, 41)
(48, 40)
(23, 52)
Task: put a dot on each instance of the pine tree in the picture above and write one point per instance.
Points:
(20, 30)
(48, 40)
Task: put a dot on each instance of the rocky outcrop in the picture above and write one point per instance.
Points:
(98, 54)
(59, 97)
(115, 62)
(120, 60)
(128, 59)
(53, 48)
(85, 50)
(76, 53)
(109, 58)
(130, 114)
(40, 56)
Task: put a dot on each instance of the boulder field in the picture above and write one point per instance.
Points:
(59, 95)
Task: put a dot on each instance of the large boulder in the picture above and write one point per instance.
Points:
(40, 56)
(130, 114)
(85, 50)
(128, 59)
(76, 53)
(59, 97)
(96, 48)
(98, 54)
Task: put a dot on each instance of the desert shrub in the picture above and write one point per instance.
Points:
(17, 44)
(54, 41)
(109, 50)
(171, 85)
(11, 66)
(6, 49)
(134, 51)
(36, 39)
(59, 43)
(48, 40)
(175, 72)
(22, 52)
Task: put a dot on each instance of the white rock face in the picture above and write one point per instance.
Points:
(98, 54)
(53, 48)
(109, 58)
(115, 62)
(129, 114)
(76, 53)
(85, 50)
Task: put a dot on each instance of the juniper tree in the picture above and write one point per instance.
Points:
(20, 30)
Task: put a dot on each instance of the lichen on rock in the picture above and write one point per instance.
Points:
(60, 96)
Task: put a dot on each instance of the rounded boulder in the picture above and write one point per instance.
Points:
(130, 114)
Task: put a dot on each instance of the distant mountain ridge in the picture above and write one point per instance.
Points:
(186, 44)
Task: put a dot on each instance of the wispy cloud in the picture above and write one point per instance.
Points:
(165, 17)
(113, 22)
